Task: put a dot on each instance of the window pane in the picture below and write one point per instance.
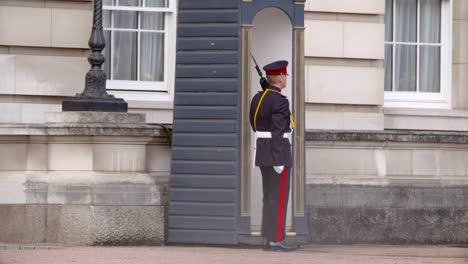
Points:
(126, 19)
(128, 2)
(157, 3)
(405, 68)
(124, 62)
(430, 21)
(388, 68)
(106, 19)
(152, 57)
(151, 20)
(388, 20)
(107, 54)
(405, 20)
(429, 72)
(108, 2)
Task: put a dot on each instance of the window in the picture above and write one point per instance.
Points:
(417, 53)
(140, 40)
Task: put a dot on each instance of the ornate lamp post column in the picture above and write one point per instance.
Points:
(95, 97)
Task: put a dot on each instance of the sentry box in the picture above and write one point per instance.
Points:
(215, 192)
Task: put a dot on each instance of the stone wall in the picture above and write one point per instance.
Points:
(83, 184)
(387, 187)
(344, 52)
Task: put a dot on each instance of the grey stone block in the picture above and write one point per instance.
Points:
(128, 225)
(127, 194)
(456, 197)
(366, 196)
(434, 197)
(459, 228)
(347, 225)
(425, 226)
(105, 225)
(326, 225)
(70, 194)
(366, 225)
(324, 196)
(22, 223)
(70, 224)
(398, 197)
(391, 215)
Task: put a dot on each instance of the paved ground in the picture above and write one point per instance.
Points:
(311, 254)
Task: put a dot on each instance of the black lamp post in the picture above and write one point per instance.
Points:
(95, 97)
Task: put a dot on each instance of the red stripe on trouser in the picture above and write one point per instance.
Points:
(279, 222)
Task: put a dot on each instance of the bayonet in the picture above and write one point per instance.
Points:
(263, 82)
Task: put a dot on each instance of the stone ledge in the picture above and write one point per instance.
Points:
(95, 194)
(388, 136)
(83, 130)
(95, 118)
(402, 197)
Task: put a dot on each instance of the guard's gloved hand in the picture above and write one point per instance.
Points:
(278, 169)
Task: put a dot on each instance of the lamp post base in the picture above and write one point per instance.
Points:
(94, 104)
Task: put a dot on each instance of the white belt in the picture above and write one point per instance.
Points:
(267, 134)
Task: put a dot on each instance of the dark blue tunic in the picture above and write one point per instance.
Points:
(273, 116)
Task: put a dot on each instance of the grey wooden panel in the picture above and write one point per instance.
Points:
(203, 181)
(207, 85)
(197, 153)
(208, 126)
(206, 112)
(206, 99)
(205, 140)
(202, 195)
(208, 43)
(208, 30)
(207, 209)
(208, 16)
(207, 71)
(208, 4)
(208, 57)
(202, 167)
(202, 236)
(202, 222)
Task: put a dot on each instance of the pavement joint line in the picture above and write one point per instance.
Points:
(31, 246)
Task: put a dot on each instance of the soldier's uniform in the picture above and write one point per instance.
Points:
(270, 118)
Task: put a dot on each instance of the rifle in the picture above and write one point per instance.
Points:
(263, 81)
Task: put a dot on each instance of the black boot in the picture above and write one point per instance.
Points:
(279, 246)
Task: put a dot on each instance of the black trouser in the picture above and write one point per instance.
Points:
(275, 202)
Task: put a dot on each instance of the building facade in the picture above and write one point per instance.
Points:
(385, 107)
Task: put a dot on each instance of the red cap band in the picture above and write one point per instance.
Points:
(277, 72)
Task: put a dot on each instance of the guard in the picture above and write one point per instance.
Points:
(272, 122)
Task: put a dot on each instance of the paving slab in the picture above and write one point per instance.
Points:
(316, 254)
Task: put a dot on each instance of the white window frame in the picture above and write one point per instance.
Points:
(440, 100)
(149, 90)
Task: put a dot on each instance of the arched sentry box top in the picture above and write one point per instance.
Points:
(293, 8)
